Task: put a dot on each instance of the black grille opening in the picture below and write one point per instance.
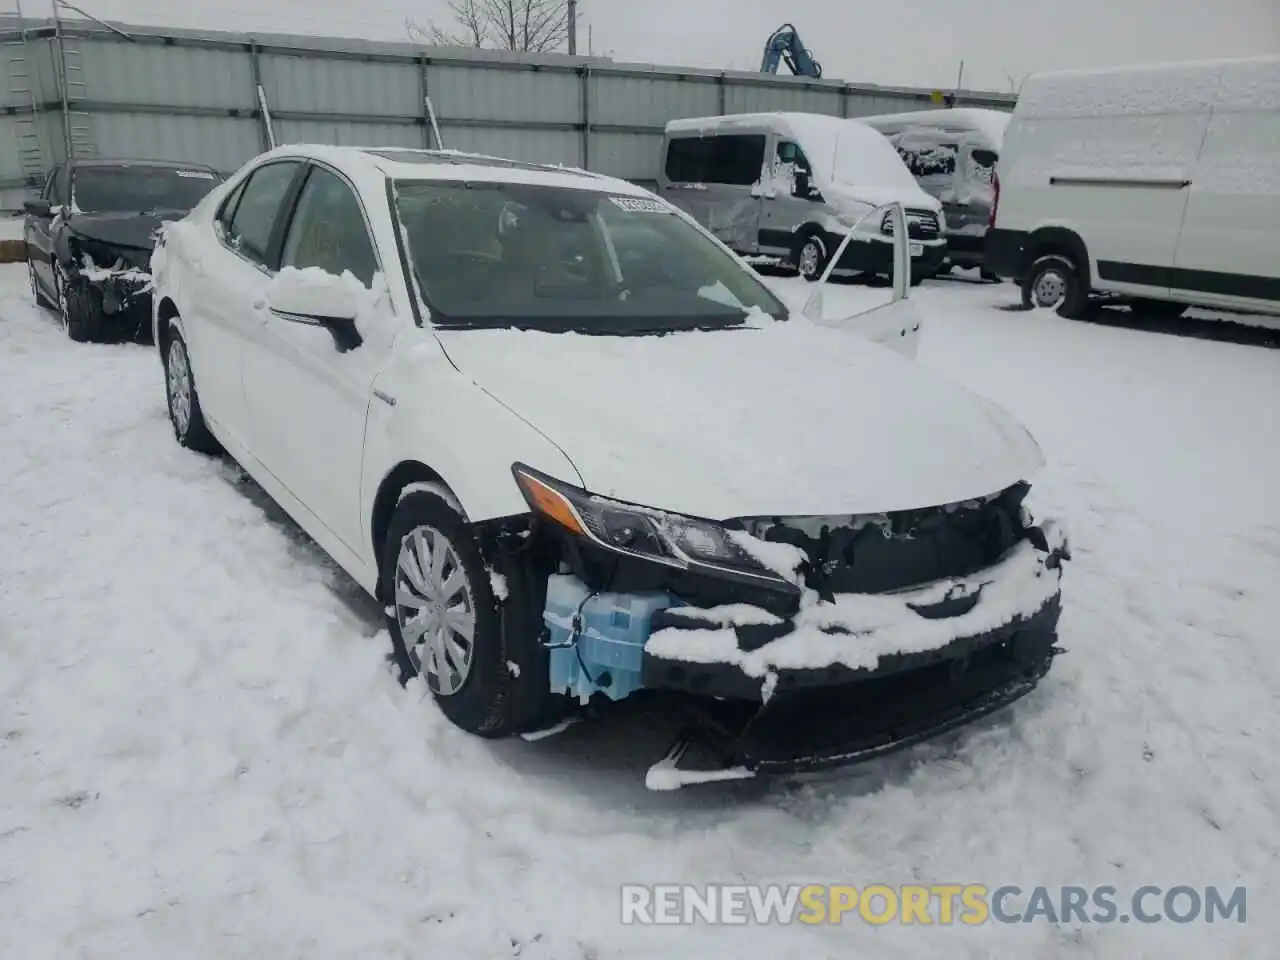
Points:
(894, 551)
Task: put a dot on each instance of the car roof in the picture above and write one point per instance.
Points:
(408, 163)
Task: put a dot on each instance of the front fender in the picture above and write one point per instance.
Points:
(424, 409)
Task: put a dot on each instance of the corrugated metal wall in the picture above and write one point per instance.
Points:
(186, 96)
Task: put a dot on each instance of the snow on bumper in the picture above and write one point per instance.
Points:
(121, 285)
(859, 635)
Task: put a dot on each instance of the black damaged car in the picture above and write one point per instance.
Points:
(90, 236)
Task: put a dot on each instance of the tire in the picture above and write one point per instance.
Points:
(189, 427)
(79, 306)
(431, 554)
(41, 299)
(811, 257)
(1054, 282)
(1159, 309)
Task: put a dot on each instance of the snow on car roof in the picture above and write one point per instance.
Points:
(408, 163)
(1190, 86)
(990, 124)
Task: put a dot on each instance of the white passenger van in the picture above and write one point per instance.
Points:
(1159, 185)
(952, 154)
(787, 186)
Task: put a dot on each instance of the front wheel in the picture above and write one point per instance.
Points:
(189, 427)
(1053, 283)
(79, 307)
(811, 258)
(481, 661)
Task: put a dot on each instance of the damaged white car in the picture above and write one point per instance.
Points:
(580, 452)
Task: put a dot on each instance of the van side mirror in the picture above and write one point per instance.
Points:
(803, 184)
(38, 208)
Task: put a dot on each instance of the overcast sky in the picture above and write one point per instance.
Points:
(916, 42)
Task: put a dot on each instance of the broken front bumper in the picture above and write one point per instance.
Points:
(868, 674)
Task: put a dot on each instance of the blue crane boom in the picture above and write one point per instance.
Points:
(784, 44)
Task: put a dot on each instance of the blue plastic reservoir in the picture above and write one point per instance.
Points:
(608, 651)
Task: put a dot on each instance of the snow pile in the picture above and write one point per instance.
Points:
(858, 629)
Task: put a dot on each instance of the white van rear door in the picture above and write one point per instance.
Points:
(1229, 249)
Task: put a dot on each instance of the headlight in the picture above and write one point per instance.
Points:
(655, 535)
(942, 223)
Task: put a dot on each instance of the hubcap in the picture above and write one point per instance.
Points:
(178, 377)
(435, 610)
(1050, 289)
(810, 256)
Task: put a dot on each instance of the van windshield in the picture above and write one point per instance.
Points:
(561, 259)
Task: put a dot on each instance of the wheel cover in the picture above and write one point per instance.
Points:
(31, 275)
(435, 609)
(810, 258)
(178, 380)
(1050, 288)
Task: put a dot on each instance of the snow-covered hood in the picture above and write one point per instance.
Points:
(784, 419)
(865, 197)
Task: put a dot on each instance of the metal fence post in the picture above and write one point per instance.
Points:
(424, 97)
(266, 135)
(721, 94)
(586, 117)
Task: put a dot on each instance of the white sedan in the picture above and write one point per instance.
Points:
(578, 450)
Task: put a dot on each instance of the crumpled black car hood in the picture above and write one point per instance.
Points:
(133, 230)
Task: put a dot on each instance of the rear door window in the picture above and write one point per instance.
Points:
(733, 159)
(254, 223)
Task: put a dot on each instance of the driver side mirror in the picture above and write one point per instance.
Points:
(38, 207)
(803, 181)
(317, 299)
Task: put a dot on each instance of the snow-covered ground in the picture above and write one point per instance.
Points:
(10, 228)
(203, 754)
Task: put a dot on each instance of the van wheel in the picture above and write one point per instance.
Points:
(811, 258)
(487, 675)
(1053, 282)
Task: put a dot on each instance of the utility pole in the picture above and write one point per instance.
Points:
(573, 28)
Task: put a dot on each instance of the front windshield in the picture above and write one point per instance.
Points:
(137, 189)
(555, 258)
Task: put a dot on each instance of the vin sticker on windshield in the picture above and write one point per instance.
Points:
(195, 174)
(640, 205)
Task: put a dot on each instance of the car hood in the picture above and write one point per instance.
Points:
(133, 230)
(784, 418)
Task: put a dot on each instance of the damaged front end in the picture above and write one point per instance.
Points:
(800, 643)
(112, 280)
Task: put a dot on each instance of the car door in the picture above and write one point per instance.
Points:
(229, 288)
(783, 208)
(308, 400)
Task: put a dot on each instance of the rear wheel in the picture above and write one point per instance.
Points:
(481, 661)
(1053, 283)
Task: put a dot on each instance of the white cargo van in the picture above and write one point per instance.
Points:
(1158, 185)
(786, 186)
(952, 154)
